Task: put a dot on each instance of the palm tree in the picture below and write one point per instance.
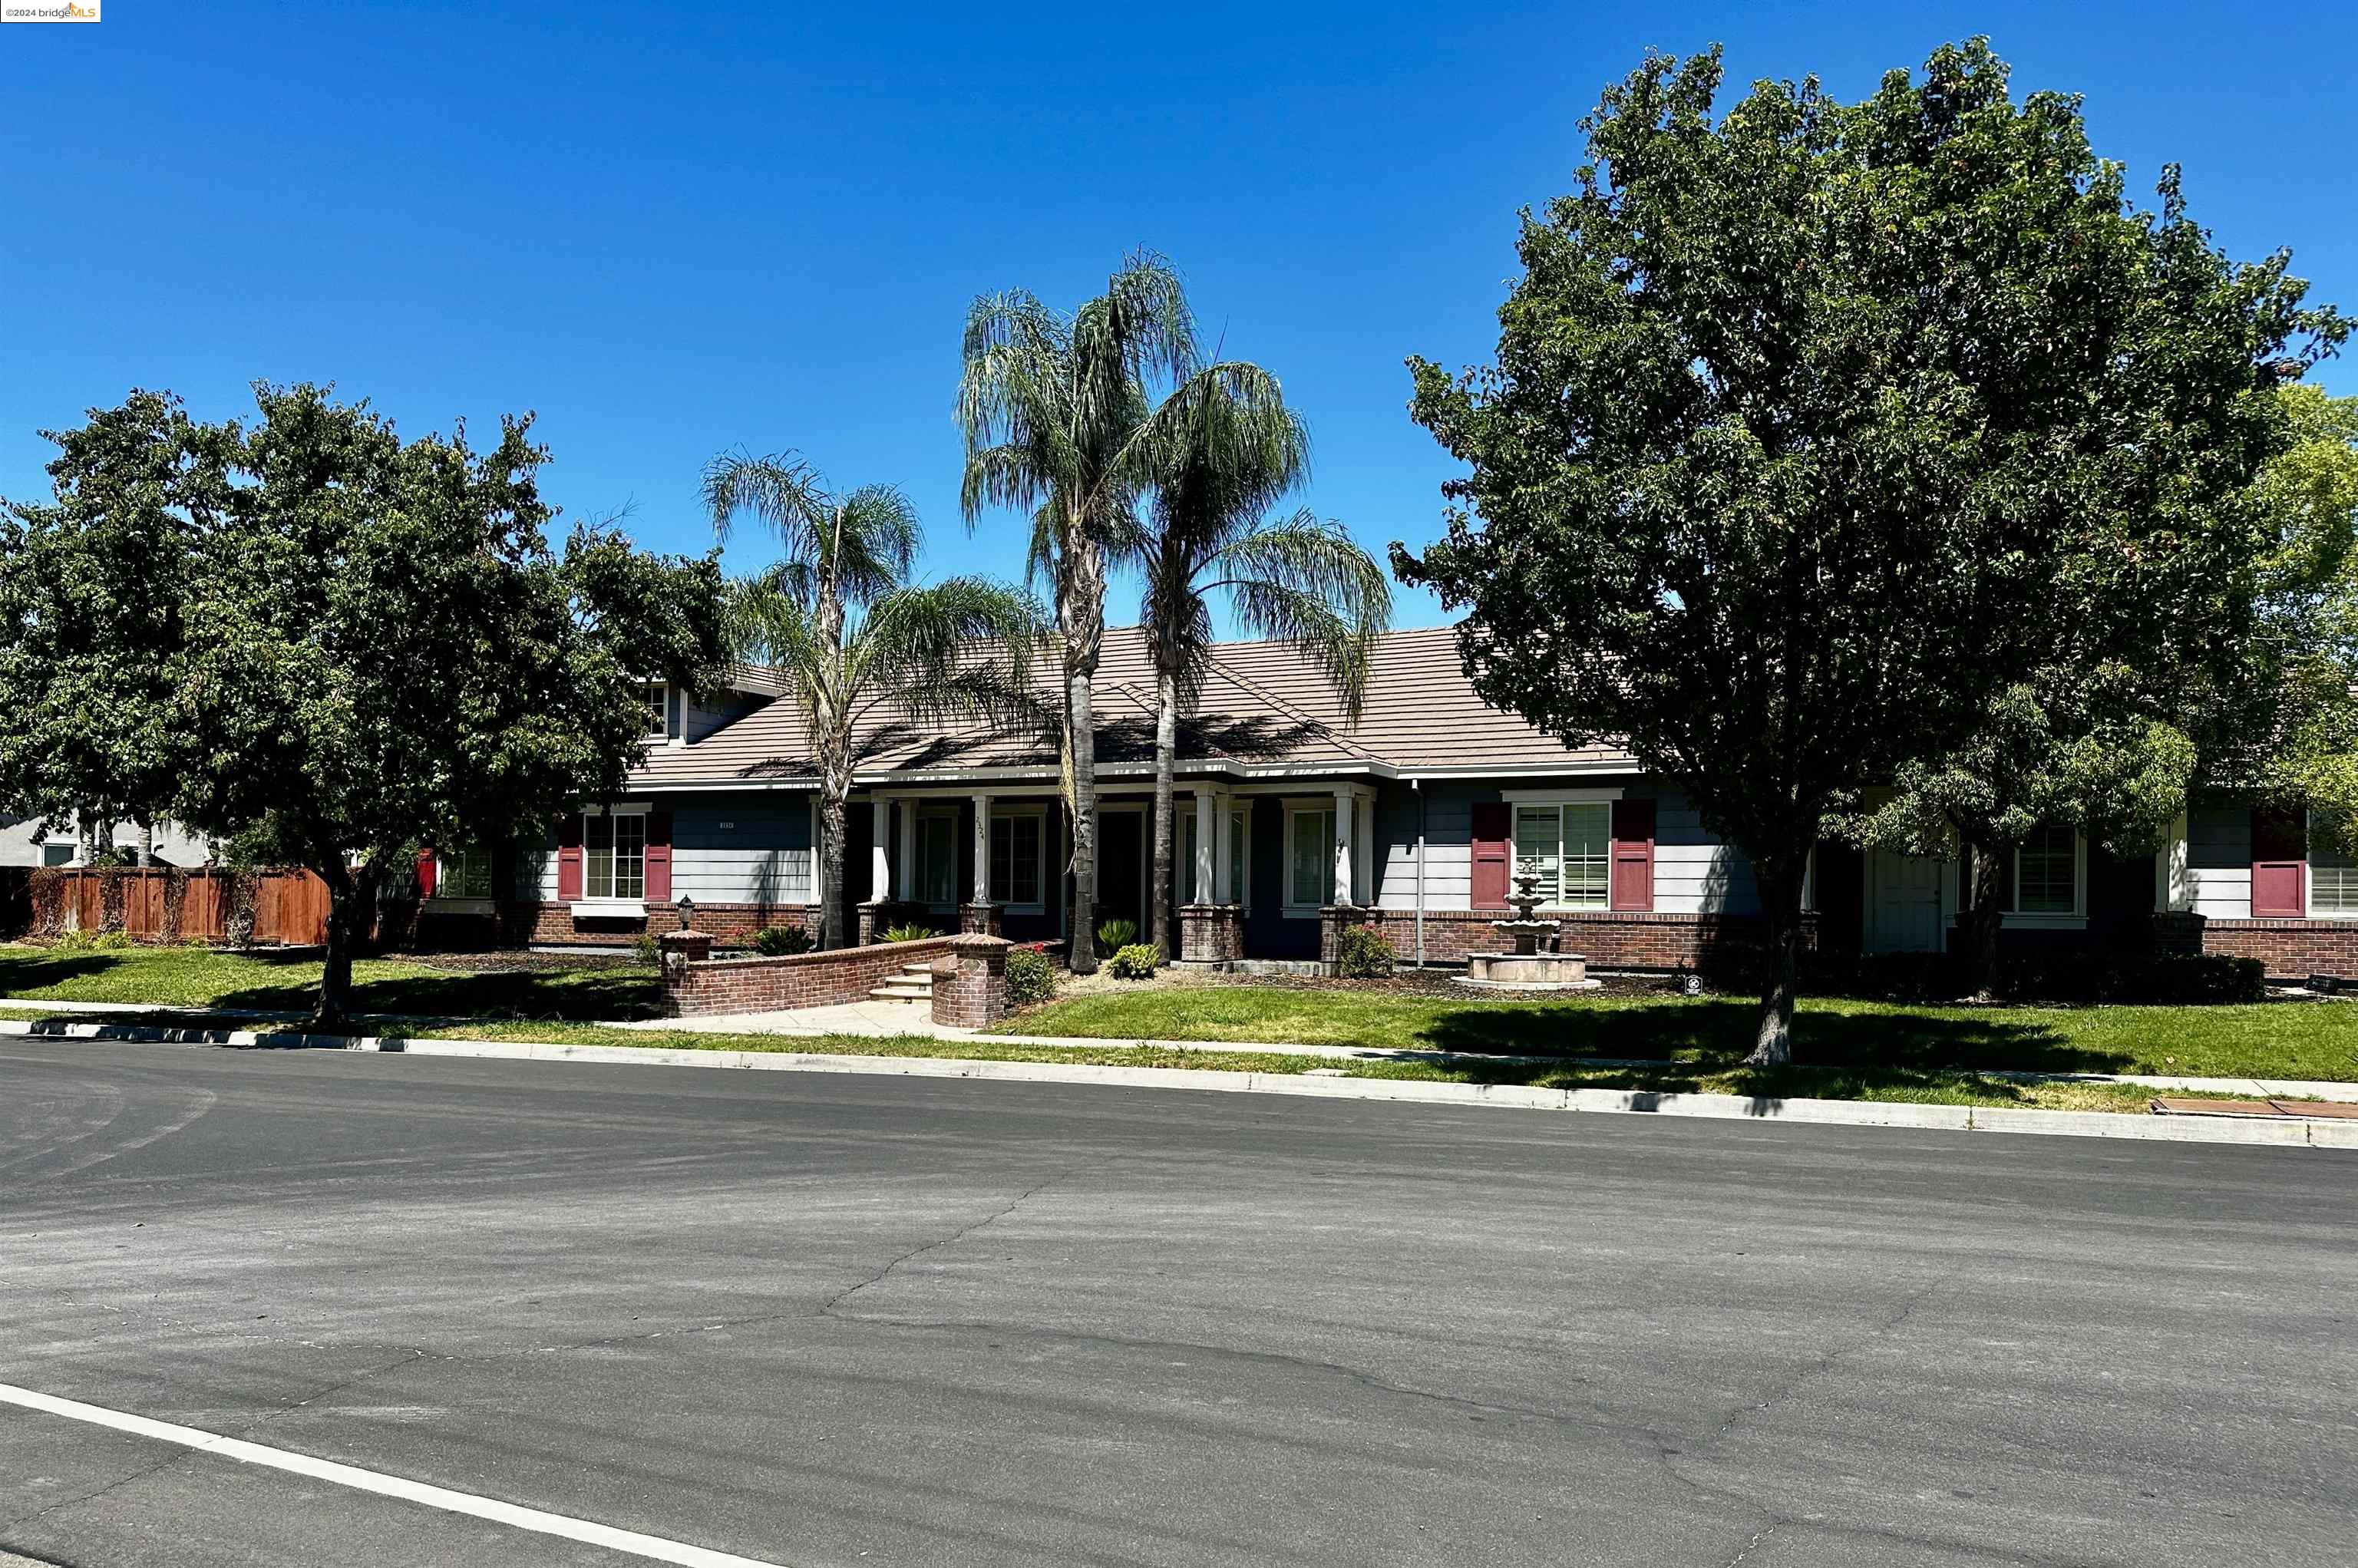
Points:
(1222, 461)
(841, 620)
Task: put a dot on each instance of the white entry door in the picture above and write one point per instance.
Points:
(1903, 902)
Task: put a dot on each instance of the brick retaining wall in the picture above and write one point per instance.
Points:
(1608, 939)
(797, 979)
(733, 924)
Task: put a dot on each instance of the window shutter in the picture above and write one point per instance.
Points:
(659, 857)
(2279, 864)
(1494, 828)
(1633, 854)
(426, 870)
(568, 859)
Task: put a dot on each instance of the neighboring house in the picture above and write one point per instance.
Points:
(23, 842)
(1291, 824)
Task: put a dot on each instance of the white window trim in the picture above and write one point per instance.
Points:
(1561, 799)
(1602, 795)
(1289, 909)
(1008, 814)
(2020, 919)
(2308, 876)
(610, 908)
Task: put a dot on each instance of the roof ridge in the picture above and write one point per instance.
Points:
(1298, 715)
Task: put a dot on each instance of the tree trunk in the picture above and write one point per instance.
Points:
(1084, 957)
(1984, 916)
(831, 911)
(147, 842)
(1166, 747)
(351, 899)
(1781, 904)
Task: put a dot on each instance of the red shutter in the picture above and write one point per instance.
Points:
(426, 870)
(1633, 854)
(2279, 864)
(568, 859)
(659, 857)
(1494, 825)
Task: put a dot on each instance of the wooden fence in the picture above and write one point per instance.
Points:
(162, 904)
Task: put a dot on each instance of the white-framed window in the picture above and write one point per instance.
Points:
(2046, 872)
(1238, 833)
(1309, 857)
(658, 711)
(462, 873)
(2332, 872)
(1568, 846)
(614, 855)
(1017, 852)
(58, 852)
(938, 857)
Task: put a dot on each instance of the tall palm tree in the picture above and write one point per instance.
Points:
(1221, 461)
(1059, 418)
(841, 620)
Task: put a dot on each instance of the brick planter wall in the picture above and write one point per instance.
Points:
(1211, 933)
(799, 979)
(2290, 949)
(970, 981)
(1608, 939)
(730, 925)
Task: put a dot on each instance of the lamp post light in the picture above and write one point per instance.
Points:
(687, 912)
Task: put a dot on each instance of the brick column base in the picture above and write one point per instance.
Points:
(678, 950)
(978, 919)
(1211, 933)
(970, 983)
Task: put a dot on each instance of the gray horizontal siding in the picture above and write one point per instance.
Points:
(1694, 871)
(2219, 860)
(742, 851)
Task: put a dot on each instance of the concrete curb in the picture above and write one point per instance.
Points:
(2288, 1134)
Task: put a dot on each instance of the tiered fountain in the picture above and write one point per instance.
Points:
(1529, 966)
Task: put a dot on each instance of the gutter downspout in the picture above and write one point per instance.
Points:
(1417, 786)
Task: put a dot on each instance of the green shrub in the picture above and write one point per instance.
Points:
(1134, 961)
(1115, 935)
(1031, 976)
(649, 950)
(780, 941)
(1362, 954)
(910, 933)
(93, 942)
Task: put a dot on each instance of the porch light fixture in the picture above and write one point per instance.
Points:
(687, 912)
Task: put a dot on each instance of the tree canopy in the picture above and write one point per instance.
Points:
(1809, 418)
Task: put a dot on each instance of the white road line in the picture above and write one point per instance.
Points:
(630, 1540)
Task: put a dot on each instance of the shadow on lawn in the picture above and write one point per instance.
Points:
(570, 994)
(1716, 1036)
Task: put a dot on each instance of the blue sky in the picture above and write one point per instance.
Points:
(672, 229)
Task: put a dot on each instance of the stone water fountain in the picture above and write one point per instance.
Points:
(1529, 966)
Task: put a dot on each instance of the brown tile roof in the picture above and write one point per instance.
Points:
(1264, 708)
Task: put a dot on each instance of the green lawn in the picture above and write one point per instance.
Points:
(2313, 1039)
(266, 981)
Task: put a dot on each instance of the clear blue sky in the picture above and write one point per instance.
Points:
(675, 228)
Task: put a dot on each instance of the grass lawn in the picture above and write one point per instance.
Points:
(2292, 1040)
(271, 981)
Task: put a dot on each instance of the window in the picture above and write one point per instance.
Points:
(58, 852)
(2332, 872)
(464, 873)
(615, 856)
(1237, 832)
(2046, 872)
(1569, 847)
(1015, 857)
(1309, 856)
(938, 864)
(659, 710)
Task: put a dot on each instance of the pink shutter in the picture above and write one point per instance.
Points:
(1633, 854)
(2279, 864)
(659, 857)
(426, 873)
(568, 859)
(1493, 827)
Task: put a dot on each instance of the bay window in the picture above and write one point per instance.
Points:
(1569, 847)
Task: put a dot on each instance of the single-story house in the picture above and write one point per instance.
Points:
(27, 842)
(1291, 823)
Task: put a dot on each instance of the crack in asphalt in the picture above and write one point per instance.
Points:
(826, 1308)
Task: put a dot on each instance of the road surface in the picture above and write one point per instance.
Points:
(817, 1320)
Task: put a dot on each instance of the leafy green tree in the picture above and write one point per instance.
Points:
(839, 619)
(377, 646)
(1221, 463)
(1805, 414)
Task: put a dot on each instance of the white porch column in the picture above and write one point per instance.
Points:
(1347, 837)
(1363, 877)
(880, 860)
(908, 849)
(982, 849)
(2173, 886)
(1203, 847)
(1223, 841)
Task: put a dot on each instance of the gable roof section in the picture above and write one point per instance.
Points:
(1265, 710)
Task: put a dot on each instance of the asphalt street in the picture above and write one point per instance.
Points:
(844, 1319)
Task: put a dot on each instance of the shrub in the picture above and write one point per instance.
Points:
(649, 950)
(911, 933)
(93, 942)
(1031, 976)
(1362, 954)
(1134, 961)
(780, 941)
(1115, 935)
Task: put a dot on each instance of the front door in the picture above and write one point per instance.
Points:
(1903, 902)
(1121, 869)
